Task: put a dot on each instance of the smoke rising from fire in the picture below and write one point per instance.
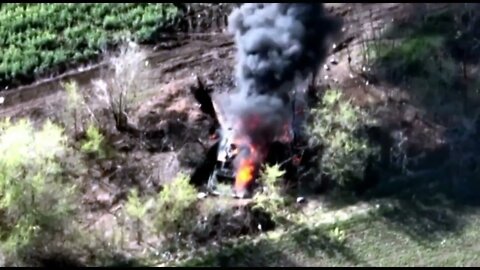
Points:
(279, 45)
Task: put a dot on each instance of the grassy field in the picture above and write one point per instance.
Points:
(36, 39)
(373, 240)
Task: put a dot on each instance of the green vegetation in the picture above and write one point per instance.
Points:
(164, 213)
(174, 207)
(167, 220)
(73, 114)
(116, 94)
(38, 38)
(418, 61)
(431, 58)
(94, 142)
(34, 199)
(136, 209)
(376, 239)
(339, 126)
(409, 56)
(271, 199)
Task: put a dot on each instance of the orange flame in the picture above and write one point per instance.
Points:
(249, 160)
(244, 174)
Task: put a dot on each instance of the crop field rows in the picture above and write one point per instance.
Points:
(36, 39)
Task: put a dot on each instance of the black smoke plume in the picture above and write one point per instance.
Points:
(279, 45)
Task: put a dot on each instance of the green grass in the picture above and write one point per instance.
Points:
(38, 38)
(372, 240)
(418, 55)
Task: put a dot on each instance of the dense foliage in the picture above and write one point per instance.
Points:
(337, 124)
(40, 38)
(34, 198)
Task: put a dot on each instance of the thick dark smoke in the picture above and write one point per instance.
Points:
(279, 45)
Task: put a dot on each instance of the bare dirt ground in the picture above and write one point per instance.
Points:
(170, 107)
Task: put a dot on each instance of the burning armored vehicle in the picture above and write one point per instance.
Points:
(279, 46)
(239, 159)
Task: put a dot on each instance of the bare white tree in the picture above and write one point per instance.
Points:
(126, 77)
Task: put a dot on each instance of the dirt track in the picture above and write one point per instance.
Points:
(206, 54)
(175, 63)
(187, 53)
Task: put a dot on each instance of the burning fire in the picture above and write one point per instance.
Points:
(248, 158)
(245, 174)
(250, 155)
(263, 115)
(249, 137)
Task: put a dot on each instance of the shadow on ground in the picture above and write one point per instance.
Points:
(433, 58)
(67, 259)
(288, 250)
(246, 254)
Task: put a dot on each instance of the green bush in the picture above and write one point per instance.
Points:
(271, 199)
(34, 201)
(171, 215)
(94, 143)
(137, 209)
(423, 57)
(339, 126)
(175, 206)
(73, 113)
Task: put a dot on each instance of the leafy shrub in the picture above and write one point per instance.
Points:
(338, 125)
(271, 199)
(171, 214)
(426, 57)
(73, 105)
(175, 206)
(337, 235)
(94, 142)
(136, 208)
(34, 201)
